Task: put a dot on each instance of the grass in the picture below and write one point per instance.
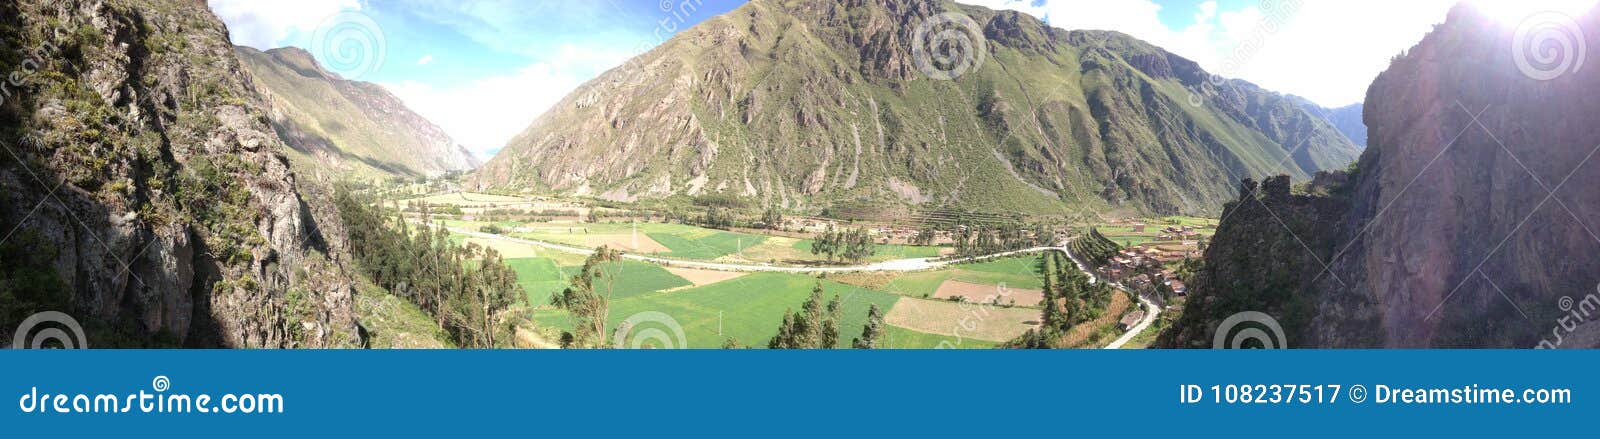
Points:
(896, 337)
(748, 309)
(542, 278)
(1015, 272)
(633, 278)
(705, 246)
(392, 322)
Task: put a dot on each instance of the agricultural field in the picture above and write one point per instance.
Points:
(1123, 232)
(750, 307)
(542, 277)
(963, 320)
(1021, 275)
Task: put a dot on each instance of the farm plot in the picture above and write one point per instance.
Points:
(747, 309)
(962, 320)
(985, 293)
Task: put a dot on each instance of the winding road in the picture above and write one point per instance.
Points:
(900, 265)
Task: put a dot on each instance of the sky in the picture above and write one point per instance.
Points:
(483, 70)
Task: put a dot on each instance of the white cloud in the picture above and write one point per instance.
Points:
(264, 24)
(1325, 50)
(486, 113)
(425, 60)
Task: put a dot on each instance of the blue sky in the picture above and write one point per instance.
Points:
(485, 69)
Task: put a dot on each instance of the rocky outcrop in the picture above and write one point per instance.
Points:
(145, 187)
(1466, 222)
(348, 128)
(822, 103)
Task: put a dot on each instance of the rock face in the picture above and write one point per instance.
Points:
(348, 128)
(1469, 217)
(818, 103)
(145, 191)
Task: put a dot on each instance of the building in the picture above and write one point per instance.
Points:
(1130, 320)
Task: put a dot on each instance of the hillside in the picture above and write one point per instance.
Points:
(144, 191)
(813, 103)
(1346, 119)
(349, 128)
(1468, 221)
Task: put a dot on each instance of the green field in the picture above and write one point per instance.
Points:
(702, 245)
(541, 278)
(896, 337)
(1015, 272)
(633, 278)
(749, 309)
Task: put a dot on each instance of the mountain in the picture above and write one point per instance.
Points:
(348, 127)
(144, 191)
(818, 103)
(1346, 119)
(1468, 222)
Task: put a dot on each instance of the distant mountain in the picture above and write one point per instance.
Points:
(1346, 119)
(818, 103)
(348, 127)
(1469, 221)
(145, 193)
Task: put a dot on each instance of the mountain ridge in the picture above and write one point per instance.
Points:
(1051, 119)
(1464, 224)
(348, 127)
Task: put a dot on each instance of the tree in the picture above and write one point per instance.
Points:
(826, 244)
(588, 301)
(924, 236)
(814, 327)
(772, 218)
(425, 267)
(872, 331)
(858, 245)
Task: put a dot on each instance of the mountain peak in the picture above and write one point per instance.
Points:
(913, 103)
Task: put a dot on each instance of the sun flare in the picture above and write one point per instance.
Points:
(1515, 11)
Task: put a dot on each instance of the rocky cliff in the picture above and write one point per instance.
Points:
(145, 192)
(1468, 220)
(913, 102)
(348, 128)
